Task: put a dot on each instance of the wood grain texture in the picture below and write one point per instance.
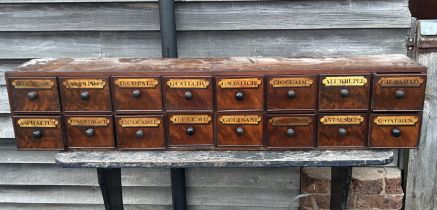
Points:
(303, 135)
(200, 16)
(4, 102)
(152, 137)
(103, 136)
(8, 65)
(201, 98)
(252, 98)
(6, 128)
(201, 135)
(421, 188)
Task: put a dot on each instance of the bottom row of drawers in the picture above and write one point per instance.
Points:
(208, 131)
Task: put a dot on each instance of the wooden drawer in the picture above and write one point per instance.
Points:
(292, 92)
(240, 130)
(291, 131)
(398, 92)
(85, 94)
(140, 132)
(34, 94)
(342, 130)
(190, 129)
(240, 93)
(344, 92)
(188, 93)
(38, 132)
(90, 131)
(395, 130)
(137, 94)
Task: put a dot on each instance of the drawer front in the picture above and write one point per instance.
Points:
(137, 94)
(240, 130)
(193, 93)
(292, 92)
(85, 94)
(395, 131)
(398, 92)
(340, 92)
(38, 132)
(140, 132)
(336, 130)
(240, 93)
(39, 94)
(190, 129)
(291, 131)
(90, 131)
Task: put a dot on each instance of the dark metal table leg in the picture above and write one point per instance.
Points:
(178, 188)
(340, 180)
(110, 185)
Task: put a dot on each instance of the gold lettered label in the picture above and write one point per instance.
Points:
(139, 122)
(188, 83)
(400, 81)
(291, 82)
(41, 123)
(240, 119)
(88, 121)
(33, 83)
(84, 83)
(136, 83)
(286, 121)
(240, 83)
(345, 81)
(396, 120)
(342, 120)
(190, 119)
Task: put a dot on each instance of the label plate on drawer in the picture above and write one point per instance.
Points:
(291, 82)
(400, 81)
(240, 83)
(345, 81)
(342, 120)
(188, 83)
(40, 123)
(88, 121)
(84, 83)
(287, 121)
(396, 120)
(136, 83)
(33, 83)
(190, 119)
(139, 122)
(240, 119)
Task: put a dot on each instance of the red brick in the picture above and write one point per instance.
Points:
(393, 182)
(315, 180)
(379, 201)
(367, 181)
(321, 200)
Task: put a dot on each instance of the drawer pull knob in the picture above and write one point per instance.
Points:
(89, 132)
(32, 95)
(342, 132)
(396, 132)
(239, 95)
(188, 95)
(239, 131)
(190, 131)
(344, 92)
(290, 132)
(399, 94)
(136, 93)
(85, 95)
(139, 134)
(37, 134)
(291, 94)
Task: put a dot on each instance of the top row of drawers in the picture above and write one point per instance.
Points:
(379, 92)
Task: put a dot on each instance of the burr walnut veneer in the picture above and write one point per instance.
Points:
(217, 104)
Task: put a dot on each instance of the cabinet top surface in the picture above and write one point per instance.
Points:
(375, 63)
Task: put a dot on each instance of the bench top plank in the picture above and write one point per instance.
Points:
(226, 159)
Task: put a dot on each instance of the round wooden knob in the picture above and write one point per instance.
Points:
(136, 93)
(239, 95)
(85, 95)
(139, 134)
(89, 132)
(190, 131)
(399, 94)
(239, 131)
(344, 92)
(342, 132)
(37, 134)
(396, 132)
(290, 132)
(188, 95)
(291, 94)
(32, 95)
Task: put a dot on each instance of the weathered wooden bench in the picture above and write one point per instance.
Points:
(109, 164)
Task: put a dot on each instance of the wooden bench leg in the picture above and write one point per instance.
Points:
(178, 189)
(340, 180)
(110, 185)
